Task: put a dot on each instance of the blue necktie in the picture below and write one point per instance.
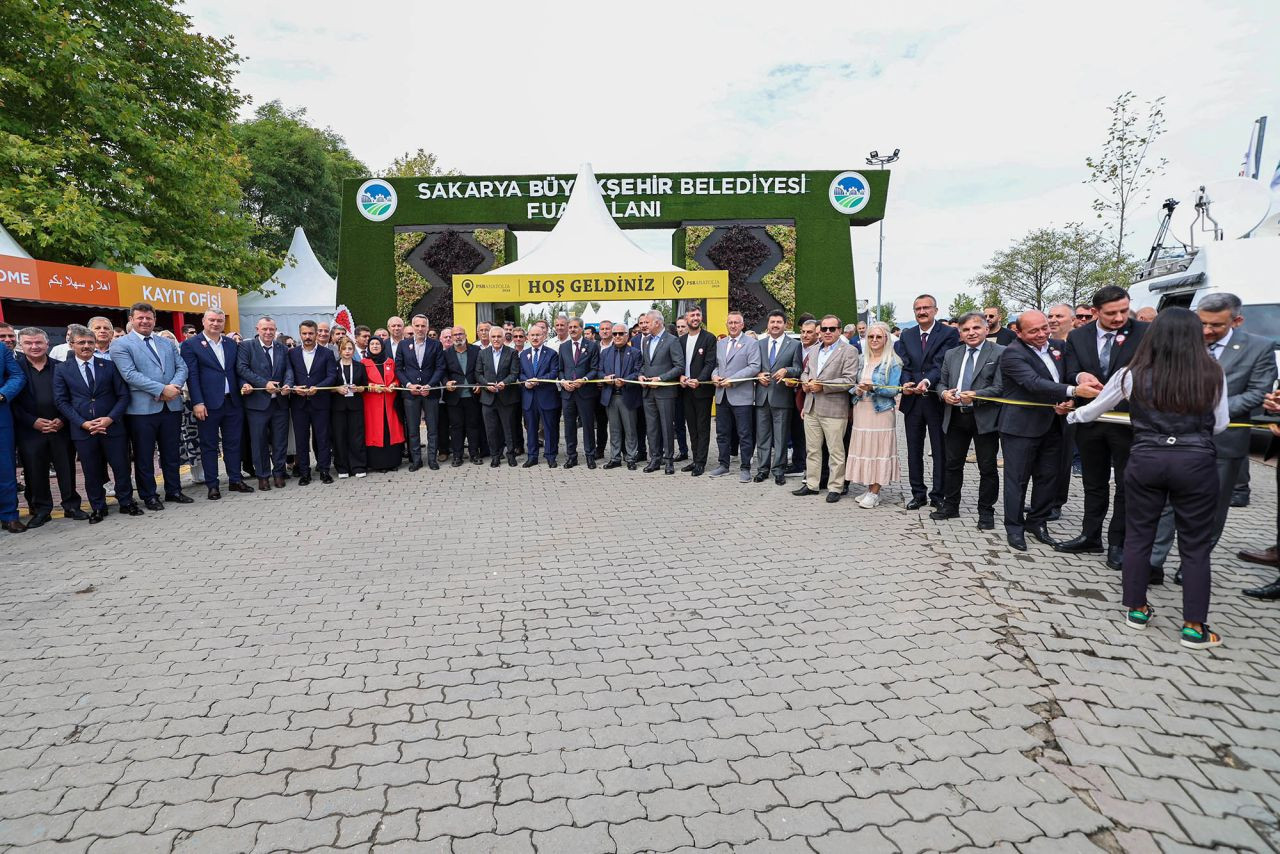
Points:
(773, 352)
(152, 348)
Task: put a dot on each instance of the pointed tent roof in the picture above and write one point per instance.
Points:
(9, 246)
(302, 284)
(138, 269)
(586, 240)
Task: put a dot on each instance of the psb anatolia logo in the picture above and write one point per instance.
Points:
(849, 192)
(376, 199)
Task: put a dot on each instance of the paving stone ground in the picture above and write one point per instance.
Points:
(587, 661)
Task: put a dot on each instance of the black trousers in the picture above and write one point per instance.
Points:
(415, 407)
(346, 429)
(659, 419)
(678, 425)
(161, 429)
(580, 411)
(1030, 460)
(742, 420)
(500, 425)
(798, 450)
(602, 427)
(96, 453)
(464, 423)
(1188, 480)
(269, 431)
(38, 451)
(1065, 458)
(962, 431)
(925, 415)
(1103, 447)
(697, 416)
(309, 421)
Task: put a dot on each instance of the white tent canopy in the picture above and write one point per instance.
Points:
(9, 246)
(138, 269)
(303, 291)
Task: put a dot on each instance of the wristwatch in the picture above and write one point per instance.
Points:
(3, 399)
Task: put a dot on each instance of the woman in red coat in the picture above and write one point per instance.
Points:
(383, 432)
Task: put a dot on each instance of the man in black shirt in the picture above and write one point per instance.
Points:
(42, 433)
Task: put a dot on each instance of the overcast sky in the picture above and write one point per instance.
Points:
(994, 104)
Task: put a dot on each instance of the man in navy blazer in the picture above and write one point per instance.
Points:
(313, 367)
(93, 397)
(620, 361)
(263, 363)
(214, 387)
(419, 365)
(11, 382)
(579, 360)
(922, 348)
(155, 374)
(540, 399)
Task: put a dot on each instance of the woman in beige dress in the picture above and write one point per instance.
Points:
(873, 443)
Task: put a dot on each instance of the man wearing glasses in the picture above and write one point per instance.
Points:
(1084, 314)
(831, 369)
(922, 348)
(996, 329)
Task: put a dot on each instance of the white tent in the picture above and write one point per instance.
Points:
(9, 246)
(138, 269)
(303, 291)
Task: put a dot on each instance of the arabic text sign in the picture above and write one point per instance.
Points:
(81, 285)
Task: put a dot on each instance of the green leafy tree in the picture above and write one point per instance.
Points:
(1121, 173)
(886, 313)
(421, 163)
(295, 179)
(116, 141)
(961, 305)
(1028, 274)
(1089, 263)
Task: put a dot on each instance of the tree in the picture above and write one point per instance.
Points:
(886, 312)
(1029, 273)
(420, 164)
(295, 179)
(962, 305)
(116, 142)
(1120, 173)
(1088, 264)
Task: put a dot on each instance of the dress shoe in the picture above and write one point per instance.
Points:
(591, 463)
(511, 460)
(433, 465)
(179, 498)
(986, 523)
(279, 482)
(916, 503)
(1080, 545)
(697, 471)
(1266, 557)
(215, 495)
(1115, 557)
(475, 461)
(804, 490)
(761, 477)
(935, 503)
(653, 466)
(305, 480)
(781, 480)
(325, 477)
(631, 466)
(239, 486)
(689, 467)
(1041, 533)
(1177, 576)
(571, 462)
(495, 462)
(414, 466)
(97, 516)
(833, 497)
(1239, 500)
(681, 457)
(1267, 591)
(456, 462)
(1156, 578)
(671, 468)
(74, 513)
(129, 510)
(39, 519)
(1017, 541)
(939, 515)
(528, 464)
(153, 504)
(264, 484)
(13, 526)
(552, 464)
(613, 464)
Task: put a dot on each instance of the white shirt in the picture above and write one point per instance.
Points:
(690, 348)
(1120, 386)
(1218, 346)
(91, 368)
(823, 354)
(1102, 339)
(771, 342)
(60, 353)
(1049, 362)
(216, 347)
(496, 355)
(308, 356)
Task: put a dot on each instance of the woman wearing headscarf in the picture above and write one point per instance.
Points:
(873, 440)
(347, 414)
(383, 430)
(1177, 403)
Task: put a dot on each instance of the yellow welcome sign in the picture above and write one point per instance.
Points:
(597, 287)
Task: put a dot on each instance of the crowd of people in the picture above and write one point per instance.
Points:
(823, 404)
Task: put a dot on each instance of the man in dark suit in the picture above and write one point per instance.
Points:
(498, 369)
(997, 331)
(1032, 369)
(698, 347)
(1267, 556)
(313, 367)
(619, 361)
(262, 362)
(780, 359)
(661, 360)
(579, 360)
(93, 397)
(921, 348)
(420, 365)
(462, 405)
(970, 371)
(1094, 353)
(216, 401)
(42, 434)
(540, 400)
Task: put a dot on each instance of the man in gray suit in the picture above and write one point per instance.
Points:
(263, 363)
(832, 369)
(737, 358)
(969, 371)
(780, 359)
(1249, 363)
(660, 361)
(155, 374)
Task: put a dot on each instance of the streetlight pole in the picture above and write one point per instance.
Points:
(880, 161)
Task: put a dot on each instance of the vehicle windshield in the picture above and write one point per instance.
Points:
(1263, 320)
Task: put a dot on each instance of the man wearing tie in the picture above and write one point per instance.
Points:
(216, 402)
(262, 363)
(661, 361)
(780, 359)
(921, 348)
(499, 371)
(737, 358)
(155, 375)
(419, 366)
(696, 390)
(619, 362)
(579, 361)
(313, 367)
(461, 366)
(539, 368)
(92, 396)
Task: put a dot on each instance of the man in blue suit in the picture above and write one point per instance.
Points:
(540, 399)
(262, 363)
(313, 367)
(155, 375)
(420, 365)
(922, 348)
(214, 386)
(11, 382)
(92, 395)
(621, 400)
